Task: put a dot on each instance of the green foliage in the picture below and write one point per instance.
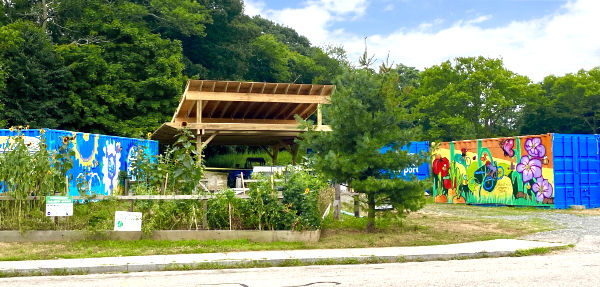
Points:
(269, 212)
(28, 170)
(179, 166)
(351, 152)
(224, 205)
(115, 67)
(301, 194)
(567, 104)
(471, 98)
(34, 86)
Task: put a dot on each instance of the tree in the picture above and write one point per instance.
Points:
(567, 104)
(365, 114)
(269, 62)
(471, 98)
(35, 82)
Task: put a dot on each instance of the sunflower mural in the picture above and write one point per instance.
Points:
(97, 159)
(85, 146)
(508, 171)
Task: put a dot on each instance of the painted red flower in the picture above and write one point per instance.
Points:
(447, 183)
(441, 166)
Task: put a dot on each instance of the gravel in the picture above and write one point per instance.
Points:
(581, 230)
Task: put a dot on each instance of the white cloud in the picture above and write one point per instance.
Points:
(253, 8)
(314, 18)
(562, 42)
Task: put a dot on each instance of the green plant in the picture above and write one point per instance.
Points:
(31, 170)
(301, 195)
(269, 212)
(226, 211)
(177, 170)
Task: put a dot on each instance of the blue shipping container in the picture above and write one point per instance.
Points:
(422, 171)
(98, 158)
(576, 170)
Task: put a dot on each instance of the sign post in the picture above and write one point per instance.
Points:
(59, 206)
(128, 221)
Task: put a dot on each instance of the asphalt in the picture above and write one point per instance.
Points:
(491, 248)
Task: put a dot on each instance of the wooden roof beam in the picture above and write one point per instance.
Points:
(283, 111)
(243, 127)
(270, 110)
(248, 109)
(260, 109)
(307, 112)
(254, 97)
(295, 111)
(238, 106)
(215, 106)
(225, 108)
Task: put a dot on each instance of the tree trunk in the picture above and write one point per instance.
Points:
(371, 214)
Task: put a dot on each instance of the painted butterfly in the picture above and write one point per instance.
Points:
(507, 146)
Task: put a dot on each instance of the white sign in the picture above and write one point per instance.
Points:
(59, 206)
(128, 221)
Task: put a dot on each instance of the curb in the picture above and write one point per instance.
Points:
(493, 248)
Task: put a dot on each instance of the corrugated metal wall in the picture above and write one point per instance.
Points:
(422, 171)
(98, 158)
(577, 170)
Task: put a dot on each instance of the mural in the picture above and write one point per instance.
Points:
(98, 161)
(508, 171)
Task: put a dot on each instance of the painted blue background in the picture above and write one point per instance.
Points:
(98, 158)
(422, 171)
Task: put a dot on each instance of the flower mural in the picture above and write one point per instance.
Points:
(535, 148)
(111, 164)
(441, 166)
(529, 168)
(511, 171)
(542, 189)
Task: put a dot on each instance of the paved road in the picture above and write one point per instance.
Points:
(564, 269)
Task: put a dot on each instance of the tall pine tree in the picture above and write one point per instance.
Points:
(367, 113)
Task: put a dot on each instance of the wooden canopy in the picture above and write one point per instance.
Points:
(245, 113)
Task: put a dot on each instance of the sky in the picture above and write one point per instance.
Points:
(535, 38)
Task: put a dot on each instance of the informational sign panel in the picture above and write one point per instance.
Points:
(59, 206)
(128, 221)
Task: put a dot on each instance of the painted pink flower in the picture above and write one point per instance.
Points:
(529, 168)
(542, 188)
(535, 148)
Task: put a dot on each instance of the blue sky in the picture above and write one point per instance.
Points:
(533, 37)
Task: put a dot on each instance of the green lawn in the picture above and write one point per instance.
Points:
(435, 224)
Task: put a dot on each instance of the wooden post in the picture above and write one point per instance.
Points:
(66, 185)
(199, 132)
(294, 152)
(319, 115)
(229, 208)
(205, 215)
(275, 150)
(132, 202)
(336, 202)
(356, 207)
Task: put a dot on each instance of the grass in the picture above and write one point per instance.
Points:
(540, 250)
(435, 224)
